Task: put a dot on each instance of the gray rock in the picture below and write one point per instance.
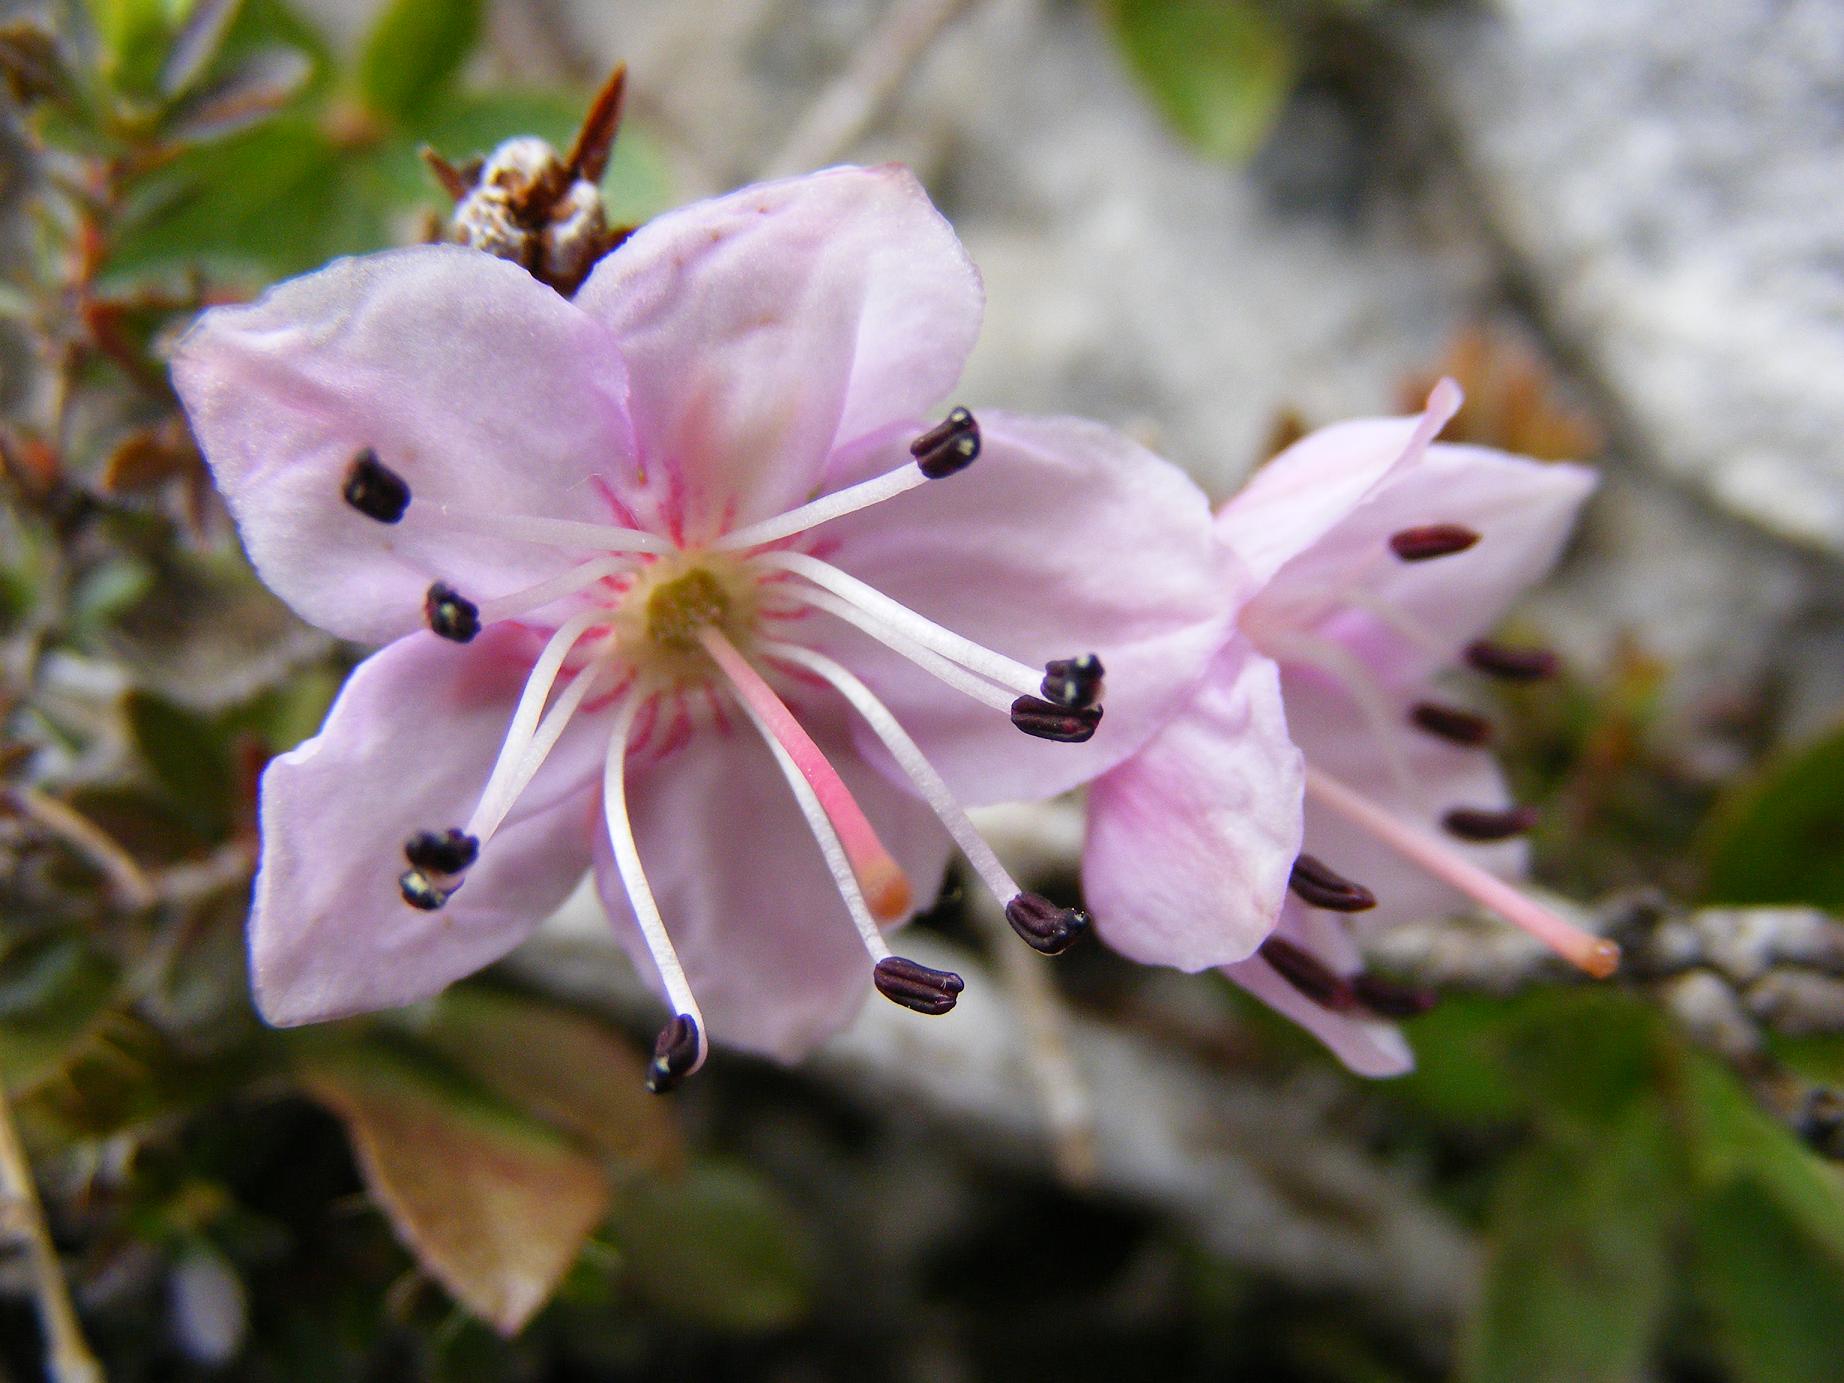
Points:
(1667, 177)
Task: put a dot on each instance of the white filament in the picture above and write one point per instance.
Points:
(495, 798)
(1007, 672)
(544, 592)
(525, 767)
(1351, 677)
(526, 528)
(912, 761)
(634, 879)
(957, 677)
(825, 509)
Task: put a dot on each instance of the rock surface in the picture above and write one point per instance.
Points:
(1668, 176)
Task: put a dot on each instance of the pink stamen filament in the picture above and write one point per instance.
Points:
(910, 759)
(831, 848)
(1596, 955)
(634, 879)
(824, 509)
(886, 887)
(1021, 679)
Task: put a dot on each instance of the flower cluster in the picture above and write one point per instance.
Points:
(690, 579)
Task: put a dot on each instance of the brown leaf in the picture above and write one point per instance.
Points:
(560, 1065)
(148, 457)
(493, 1206)
(1514, 399)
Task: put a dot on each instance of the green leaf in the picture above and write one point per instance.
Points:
(1775, 1300)
(1579, 1270)
(1734, 1139)
(564, 1067)
(135, 35)
(189, 758)
(1780, 838)
(53, 993)
(715, 1247)
(1219, 70)
(1583, 1057)
(413, 52)
(493, 1204)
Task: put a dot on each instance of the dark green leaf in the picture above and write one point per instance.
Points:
(1776, 1301)
(1218, 69)
(1780, 838)
(1578, 1269)
(188, 757)
(53, 992)
(715, 1247)
(1734, 1138)
(1582, 1057)
(413, 52)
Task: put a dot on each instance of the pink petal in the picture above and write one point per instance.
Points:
(767, 944)
(1301, 495)
(1522, 510)
(474, 382)
(1191, 841)
(1369, 1046)
(407, 747)
(766, 328)
(1063, 538)
(1414, 775)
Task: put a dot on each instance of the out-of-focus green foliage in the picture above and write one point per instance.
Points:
(1218, 69)
(1779, 838)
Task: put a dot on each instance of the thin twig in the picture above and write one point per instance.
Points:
(845, 109)
(67, 1353)
(1062, 1091)
(132, 887)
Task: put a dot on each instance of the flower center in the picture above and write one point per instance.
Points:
(679, 608)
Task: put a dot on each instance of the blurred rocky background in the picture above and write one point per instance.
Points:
(1213, 223)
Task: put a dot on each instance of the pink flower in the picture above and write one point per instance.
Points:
(665, 575)
(1320, 748)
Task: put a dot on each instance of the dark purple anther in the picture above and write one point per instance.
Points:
(1044, 926)
(451, 614)
(442, 852)
(420, 892)
(951, 445)
(1387, 999)
(1511, 664)
(916, 986)
(374, 489)
(675, 1053)
(1308, 974)
(1451, 723)
(1481, 824)
(1315, 882)
(1049, 721)
(1430, 541)
(1073, 682)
